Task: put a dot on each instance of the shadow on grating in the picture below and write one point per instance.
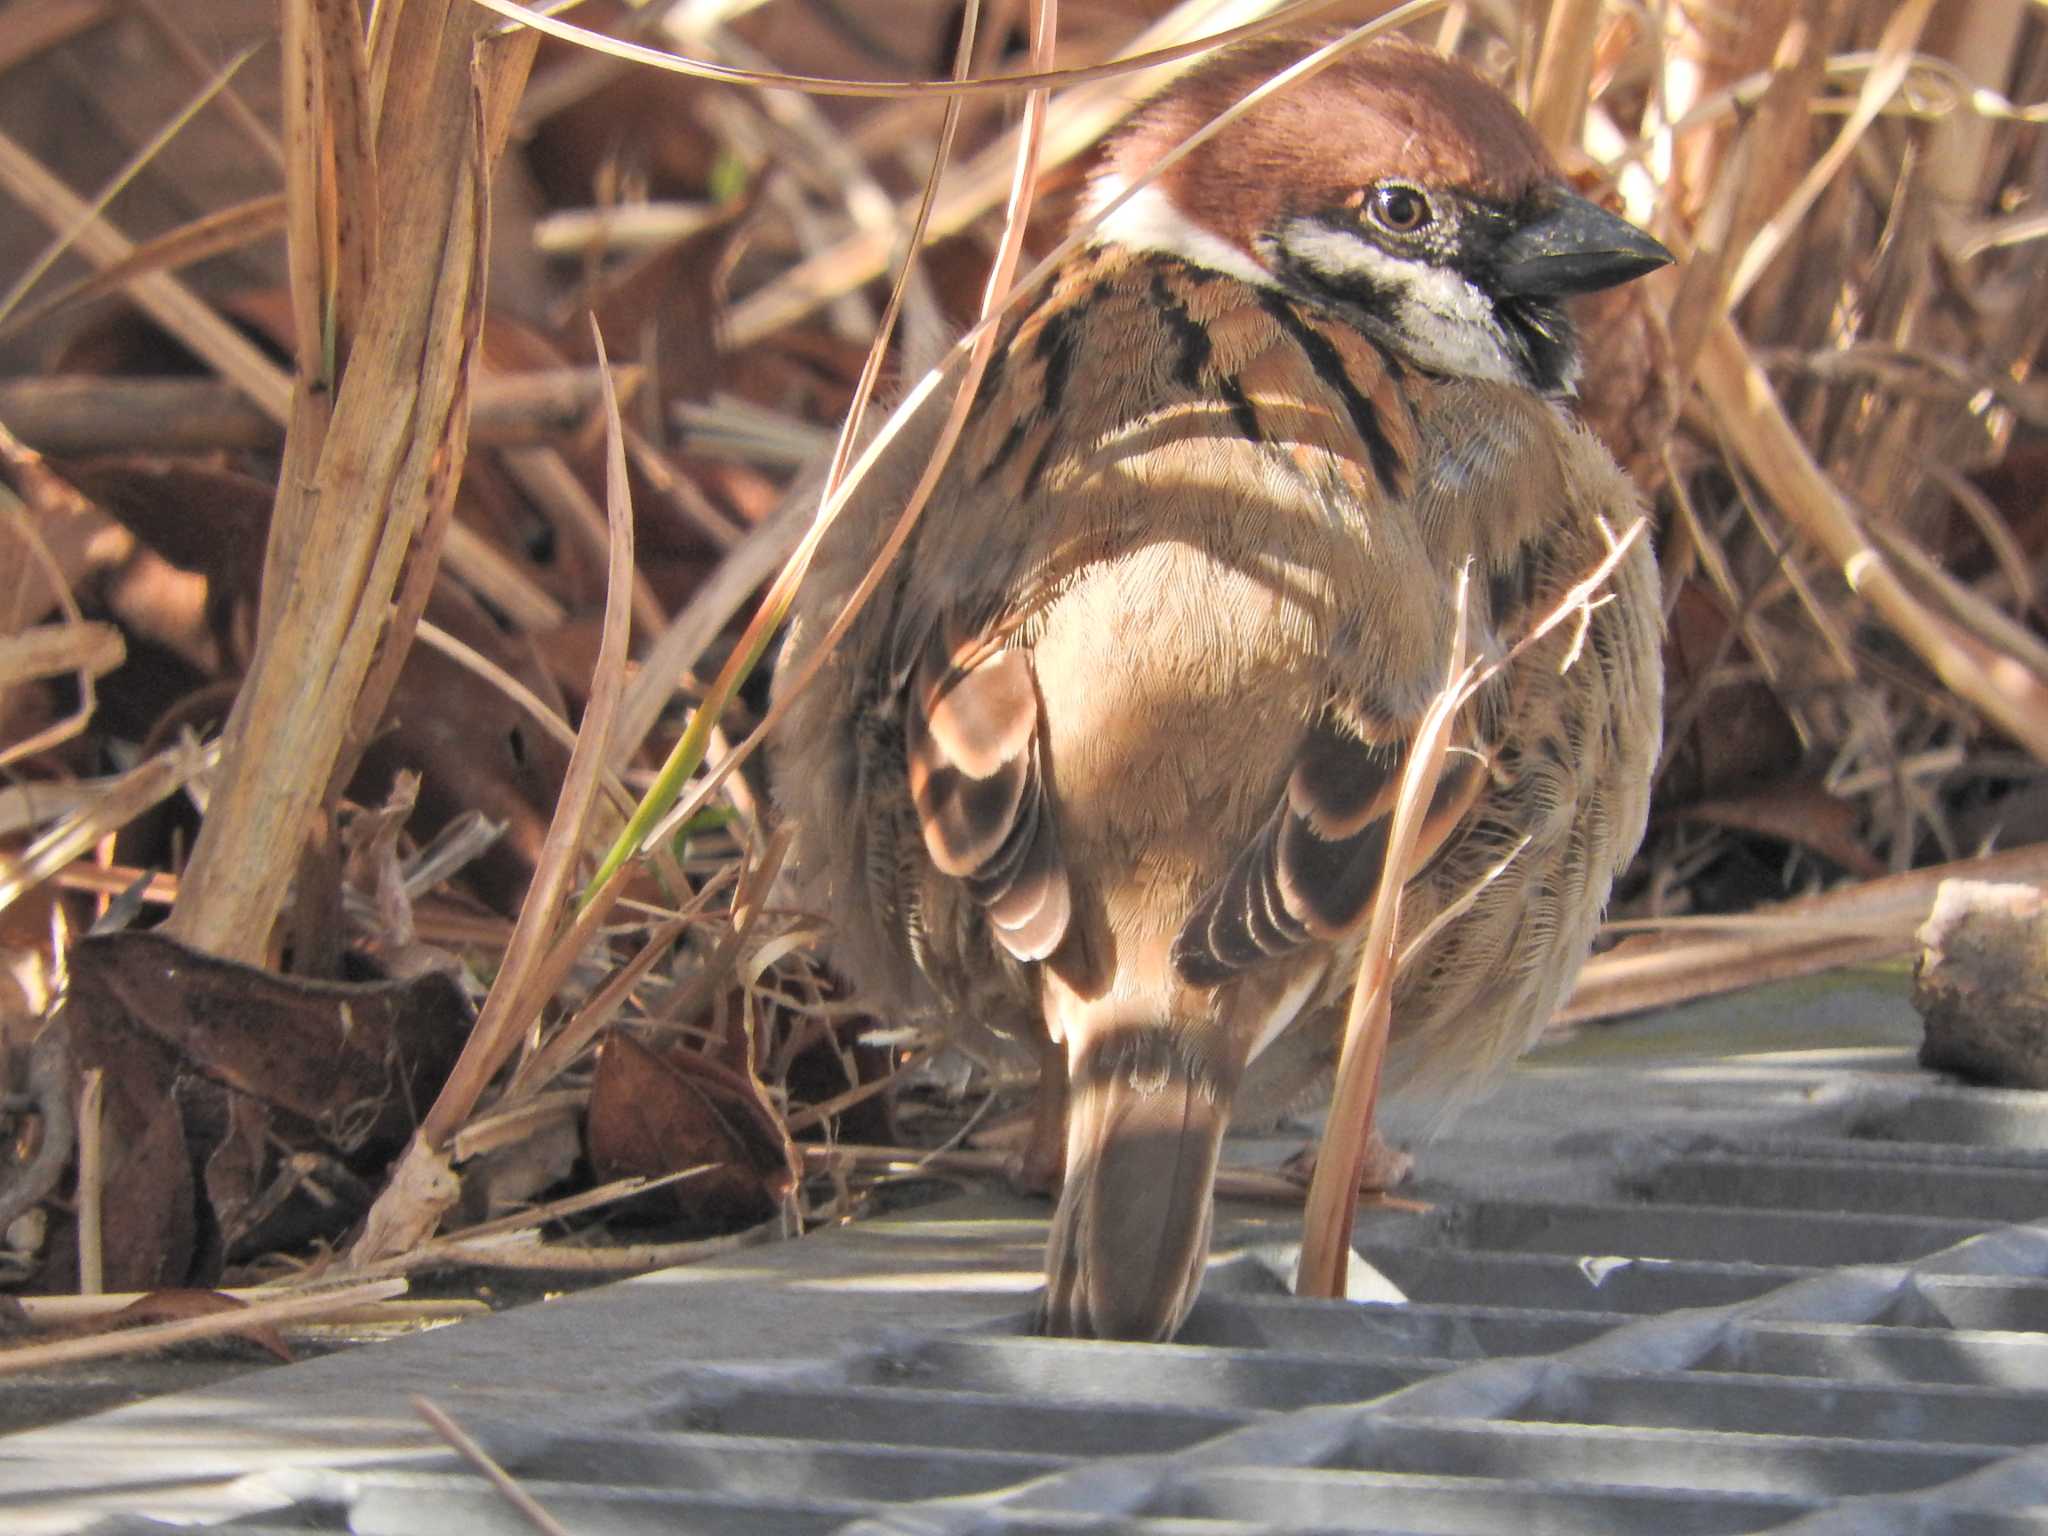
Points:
(1834, 1325)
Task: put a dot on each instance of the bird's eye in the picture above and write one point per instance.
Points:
(1399, 207)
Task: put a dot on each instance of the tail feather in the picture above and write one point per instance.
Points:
(1130, 1238)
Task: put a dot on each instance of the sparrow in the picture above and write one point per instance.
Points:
(1108, 760)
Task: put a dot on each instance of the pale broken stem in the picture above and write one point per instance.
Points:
(1325, 1265)
(72, 1311)
(516, 1242)
(1340, 1159)
(530, 1254)
(1872, 921)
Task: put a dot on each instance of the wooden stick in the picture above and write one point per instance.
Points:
(135, 1341)
(64, 415)
(92, 1090)
(62, 1311)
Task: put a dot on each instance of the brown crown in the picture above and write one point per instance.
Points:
(1386, 109)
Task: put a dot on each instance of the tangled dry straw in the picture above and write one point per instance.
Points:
(1831, 399)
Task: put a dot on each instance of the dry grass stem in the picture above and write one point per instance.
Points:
(1856, 925)
(85, 649)
(214, 234)
(1325, 1265)
(81, 414)
(90, 214)
(536, 709)
(71, 1311)
(1894, 56)
(1036, 79)
(157, 294)
(401, 1219)
(31, 27)
(1558, 90)
(529, 1508)
(120, 802)
(299, 1307)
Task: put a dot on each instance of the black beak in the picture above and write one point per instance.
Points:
(1573, 247)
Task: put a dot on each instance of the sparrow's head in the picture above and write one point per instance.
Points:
(1395, 187)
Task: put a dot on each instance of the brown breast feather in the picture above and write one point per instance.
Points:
(974, 734)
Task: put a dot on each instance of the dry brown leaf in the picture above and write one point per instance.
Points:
(655, 1113)
(179, 1305)
(1803, 814)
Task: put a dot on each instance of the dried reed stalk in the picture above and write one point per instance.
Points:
(387, 320)
(30, 27)
(1751, 418)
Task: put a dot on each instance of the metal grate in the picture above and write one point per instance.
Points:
(1710, 1298)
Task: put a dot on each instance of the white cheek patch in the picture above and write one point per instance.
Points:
(1440, 318)
(1151, 222)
